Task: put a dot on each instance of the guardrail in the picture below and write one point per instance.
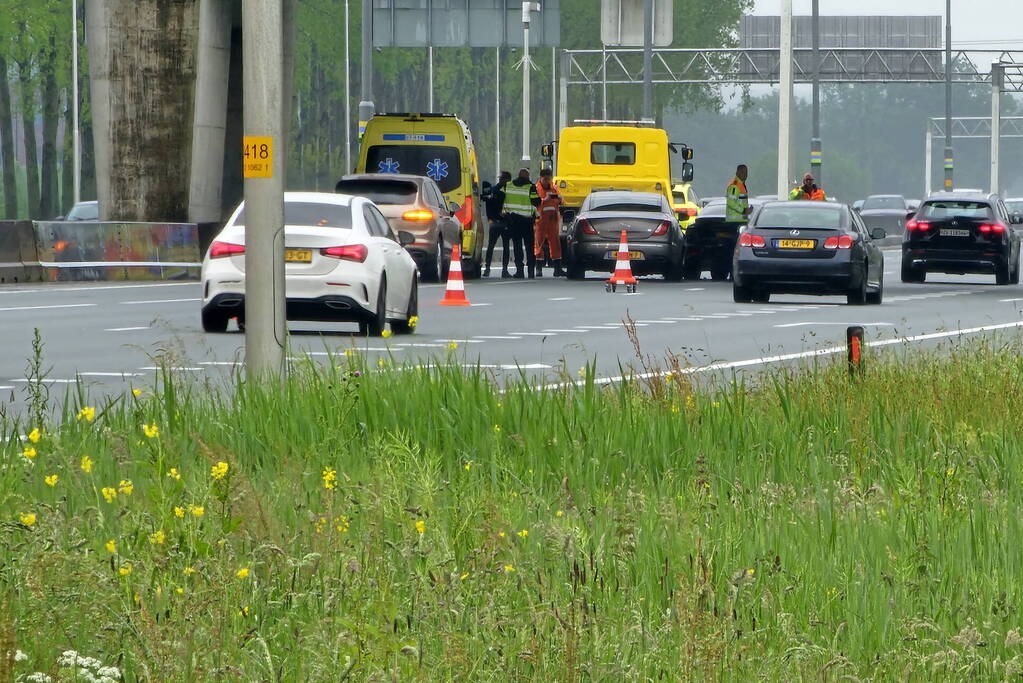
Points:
(58, 251)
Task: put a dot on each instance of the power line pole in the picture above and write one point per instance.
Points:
(648, 61)
(76, 153)
(348, 94)
(997, 77)
(949, 155)
(816, 157)
(785, 99)
(366, 106)
(527, 8)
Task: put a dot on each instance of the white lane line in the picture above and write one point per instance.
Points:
(562, 298)
(39, 308)
(1005, 301)
(563, 331)
(765, 311)
(159, 301)
(690, 320)
(495, 336)
(657, 322)
(6, 387)
(696, 289)
(836, 324)
(111, 374)
(422, 345)
(478, 305)
(636, 324)
(598, 327)
(44, 381)
(508, 366)
(341, 352)
(460, 341)
(230, 362)
(175, 369)
(125, 329)
(535, 334)
(58, 289)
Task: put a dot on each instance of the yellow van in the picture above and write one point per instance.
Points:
(614, 157)
(438, 146)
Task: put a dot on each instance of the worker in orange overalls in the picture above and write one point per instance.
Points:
(548, 223)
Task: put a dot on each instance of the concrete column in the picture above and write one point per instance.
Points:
(785, 101)
(996, 121)
(928, 160)
(97, 41)
(213, 65)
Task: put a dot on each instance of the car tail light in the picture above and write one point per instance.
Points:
(464, 214)
(222, 249)
(662, 229)
(840, 242)
(750, 240)
(685, 214)
(914, 225)
(585, 226)
(992, 229)
(349, 252)
(418, 215)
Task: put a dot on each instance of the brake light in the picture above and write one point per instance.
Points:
(840, 242)
(349, 252)
(750, 240)
(684, 213)
(914, 225)
(418, 215)
(992, 229)
(464, 214)
(661, 230)
(585, 226)
(222, 249)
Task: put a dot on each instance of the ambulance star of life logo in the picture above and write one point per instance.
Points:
(437, 169)
(388, 165)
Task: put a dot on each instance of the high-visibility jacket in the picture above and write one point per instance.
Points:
(816, 195)
(518, 198)
(736, 201)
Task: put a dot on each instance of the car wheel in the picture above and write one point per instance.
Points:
(911, 273)
(1014, 278)
(762, 296)
(471, 269)
(691, 272)
(375, 326)
(875, 298)
(741, 295)
(214, 320)
(575, 271)
(857, 296)
(408, 325)
(674, 273)
(1002, 274)
(721, 273)
(433, 269)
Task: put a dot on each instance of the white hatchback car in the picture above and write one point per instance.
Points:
(343, 263)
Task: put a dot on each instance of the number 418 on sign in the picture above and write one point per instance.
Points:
(257, 157)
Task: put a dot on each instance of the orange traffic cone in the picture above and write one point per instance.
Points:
(623, 269)
(454, 293)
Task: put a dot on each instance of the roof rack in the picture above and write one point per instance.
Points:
(414, 114)
(614, 122)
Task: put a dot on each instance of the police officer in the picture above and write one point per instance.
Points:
(737, 209)
(808, 190)
(520, 201)
(498, 225)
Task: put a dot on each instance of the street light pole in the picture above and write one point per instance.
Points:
(76, 152)
(648, 63)
(527, 8)
(366, 106)
(348, 94)
(997, 76)
(949, 155)
(785, 99)
(816, 156)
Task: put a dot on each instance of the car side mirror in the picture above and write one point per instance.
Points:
(687, 172)
(878, 234)
(405, 238)
(547, 151)
(454, 208)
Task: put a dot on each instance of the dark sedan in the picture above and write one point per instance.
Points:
(808, 248)
(710, 241)
(886, 211)
(654, 237)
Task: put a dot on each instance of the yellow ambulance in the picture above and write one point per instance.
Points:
(438, 146)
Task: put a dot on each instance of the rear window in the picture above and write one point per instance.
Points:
(712, 210)
(884, 203)
(85, 211)
(822, 218)
(382, 192)
(618, 153)
(627, 207)
(937, 211)
(443, 164)
(312, 214)
(679, 197)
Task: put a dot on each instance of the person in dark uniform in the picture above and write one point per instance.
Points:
(498, 226)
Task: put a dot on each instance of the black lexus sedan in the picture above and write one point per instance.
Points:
(808, 248)
(655, 239)
(961, 232)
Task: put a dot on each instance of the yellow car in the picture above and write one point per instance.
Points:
(686, 203)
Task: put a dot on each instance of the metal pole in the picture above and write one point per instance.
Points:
(566, 66)
(997, 72)
(366, 107)
(348, 95)
(525, 83)
(949, 155)
(648, 63)
(263, 79)
(603, 80)
(497, 114)
(429, 71)
(816, 157)
(76, 152)
(927, 160)
(785, 99)
(554, 92)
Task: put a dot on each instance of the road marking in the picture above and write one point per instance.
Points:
(111, 374)
(843, 324)
(421, 345)
(508, 366)
(460, 341)
(125, 329)
(598, 327)
(341, 352)
(692, 320)
(1005, 301)
(6, 387)
(45, 381)
(39, 308)
(657, 322)
(232, 362)
(175, 369)
(696, 289)
(763, 311)
(535, 334)
(159, 301)
(58, 288)
(562, 298)
(495, 336)
(563, 331)
(477, 305)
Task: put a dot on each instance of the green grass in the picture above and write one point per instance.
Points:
(807, 526)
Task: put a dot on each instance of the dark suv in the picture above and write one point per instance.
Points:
(961, 232)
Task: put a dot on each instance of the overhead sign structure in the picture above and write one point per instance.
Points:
(621, 23)
(463, 23)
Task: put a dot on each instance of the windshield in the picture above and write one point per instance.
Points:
(936, 211)
(884, 203)
(382, 192)
(823, 218)
(84, 211)
(311, 214)
(443, 164)
(613, 153)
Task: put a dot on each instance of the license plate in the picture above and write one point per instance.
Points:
(952, 232)
(795, 244)
(633, 255)
(726, 234)
(298, 255)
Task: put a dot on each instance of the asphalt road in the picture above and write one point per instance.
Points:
(114, 336)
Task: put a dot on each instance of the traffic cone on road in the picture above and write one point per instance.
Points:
(623, 269)
(454, 293)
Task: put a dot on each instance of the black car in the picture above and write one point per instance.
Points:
(959, 232)
(808, 248)
(886, 211)
(710, 242)
(655, 240)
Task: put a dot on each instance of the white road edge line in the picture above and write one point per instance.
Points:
(160, 301)
(38, 308)
(826, 323)
(125, 329)
(58, 289)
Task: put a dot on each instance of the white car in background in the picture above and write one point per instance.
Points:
(343, 263)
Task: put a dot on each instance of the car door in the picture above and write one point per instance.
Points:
(396, 261)
(449, 225)
(1014, 236)
(872, 253)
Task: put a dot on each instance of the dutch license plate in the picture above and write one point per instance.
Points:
(726, 234)
(633, 255)
(298, 255)
(953, 232)
(795, 244)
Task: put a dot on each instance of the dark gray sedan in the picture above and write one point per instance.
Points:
(886, 211)
(655, 240)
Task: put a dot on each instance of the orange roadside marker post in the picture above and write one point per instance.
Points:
(454, 293)
(623, 270)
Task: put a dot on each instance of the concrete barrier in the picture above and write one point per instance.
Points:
(97, 251)
(18, 259)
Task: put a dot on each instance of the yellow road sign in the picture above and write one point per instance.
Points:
(258, 157)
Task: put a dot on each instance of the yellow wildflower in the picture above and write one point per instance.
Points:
(197, 510)
(125, 569)
(386, 333)
(86, 464)
(559, 513)
(421, 526)
(126, 487)
(464, 576)
(467, 466)
(179, 512)
(88, 413)
(319, 524)
(179, 590)
(751, 571)
(189, 571)
(500, 534)
(582, 371)
(452, 345)
(329, 478)
(675, 409)
(242, 573)
(341, 524)
(35, 435)
(29, 452)
(110, 493)
(413, 321)
(219, 471)
(27, 518)
(157, 537)
(381, 363)
(136, 392)
(690, 402)
(497, 429)
(174, 474)
(51, 480)
(523, 534)
(111, 546)
(349, 352)
(244, 611)
(508, 568)
(151, 431)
